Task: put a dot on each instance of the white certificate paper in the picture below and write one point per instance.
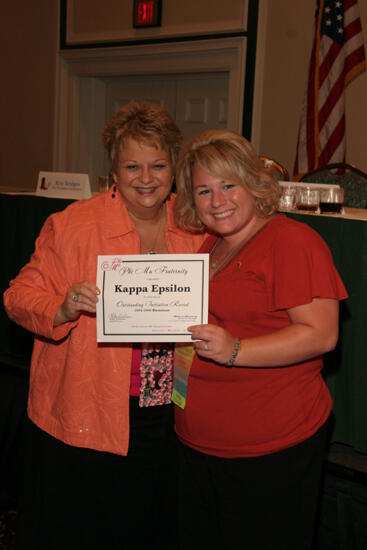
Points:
(151, 297)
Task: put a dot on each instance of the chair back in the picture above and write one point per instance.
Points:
(353, 181)
(280, 172)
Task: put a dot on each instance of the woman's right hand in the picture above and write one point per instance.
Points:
(82, 296)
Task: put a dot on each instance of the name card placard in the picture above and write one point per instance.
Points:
(63, 185)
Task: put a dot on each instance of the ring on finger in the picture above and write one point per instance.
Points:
(75, 297)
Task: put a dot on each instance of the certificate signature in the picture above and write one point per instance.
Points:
(151, 297)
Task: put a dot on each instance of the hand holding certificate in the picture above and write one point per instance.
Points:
(151, 297)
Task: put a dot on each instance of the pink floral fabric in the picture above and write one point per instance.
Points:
(156, 375)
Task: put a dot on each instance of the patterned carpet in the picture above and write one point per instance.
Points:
(7, 529)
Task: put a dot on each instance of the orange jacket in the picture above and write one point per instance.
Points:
(79, 390)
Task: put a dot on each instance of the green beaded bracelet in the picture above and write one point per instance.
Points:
(234, 353)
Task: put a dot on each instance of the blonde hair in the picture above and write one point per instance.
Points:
(227, 156)
(144, 122)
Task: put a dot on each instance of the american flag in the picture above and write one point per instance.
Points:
(337, 57)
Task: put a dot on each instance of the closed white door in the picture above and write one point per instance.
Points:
(158, 89)
(201, 103)
(195, 101)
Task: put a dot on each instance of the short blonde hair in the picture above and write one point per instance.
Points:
(227, 156)
(144, 122)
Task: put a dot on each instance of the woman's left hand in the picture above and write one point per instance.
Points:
(213, 342)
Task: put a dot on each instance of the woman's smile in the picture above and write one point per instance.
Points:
(146, 190)
(221, 215)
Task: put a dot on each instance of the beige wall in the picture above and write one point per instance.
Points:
(356, 109)
(286, 52)
(29, 41)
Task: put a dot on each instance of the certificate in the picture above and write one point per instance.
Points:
(151, 297)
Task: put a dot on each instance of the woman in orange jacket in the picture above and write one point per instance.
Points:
(99, 464)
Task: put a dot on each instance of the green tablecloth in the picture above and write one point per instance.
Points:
(346, 367)
(21, 218)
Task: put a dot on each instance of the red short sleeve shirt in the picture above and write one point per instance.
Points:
(243, 412)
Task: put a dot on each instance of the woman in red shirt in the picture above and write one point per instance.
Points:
(254, 428)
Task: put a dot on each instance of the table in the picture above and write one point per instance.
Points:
(346, 367)
(21, 218)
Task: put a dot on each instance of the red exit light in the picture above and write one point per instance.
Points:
(147, 13)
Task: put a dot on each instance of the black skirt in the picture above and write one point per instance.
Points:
(75, 498)
(262, 503)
